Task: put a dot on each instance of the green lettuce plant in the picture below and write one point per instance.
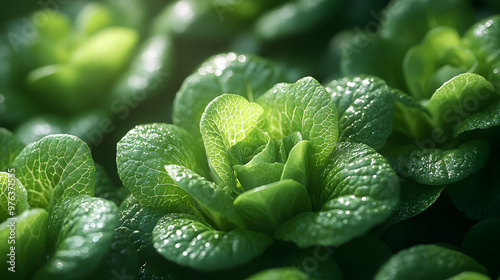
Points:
(52, 226)
(267, 163)
(448, 66)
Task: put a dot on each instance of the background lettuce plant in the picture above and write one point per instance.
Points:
(449, 69)
(268, 164)
(78, 66)
(447, 66)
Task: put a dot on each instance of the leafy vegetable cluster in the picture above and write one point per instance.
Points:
(275, 167)
(375, 149)
(52, 225)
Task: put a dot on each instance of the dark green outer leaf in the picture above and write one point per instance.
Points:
(427, 262)
(81, 229)
(483, 39)
(57, 166)
(306, 107)
(485, 119)
(357, 190)
(415, 198)
(190, 241)
(356, 169)
(366, 109)
(10, 147)
(440, 167)
(245, 75)
(141, 158)
(136, 223)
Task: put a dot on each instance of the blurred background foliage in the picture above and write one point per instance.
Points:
(301, 35)
(295, 34)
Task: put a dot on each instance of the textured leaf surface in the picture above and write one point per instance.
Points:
(485, 119)
(13, 194)
(357, 190)
(427, 262)
(141, 158)
(415, 198)
(483, 39)
(57, 166)
(245, 75)
(81, 228)
(306, 107)
(440, 167)
(227, 120)
(136, 223)
(190, 241)
(366, 109)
